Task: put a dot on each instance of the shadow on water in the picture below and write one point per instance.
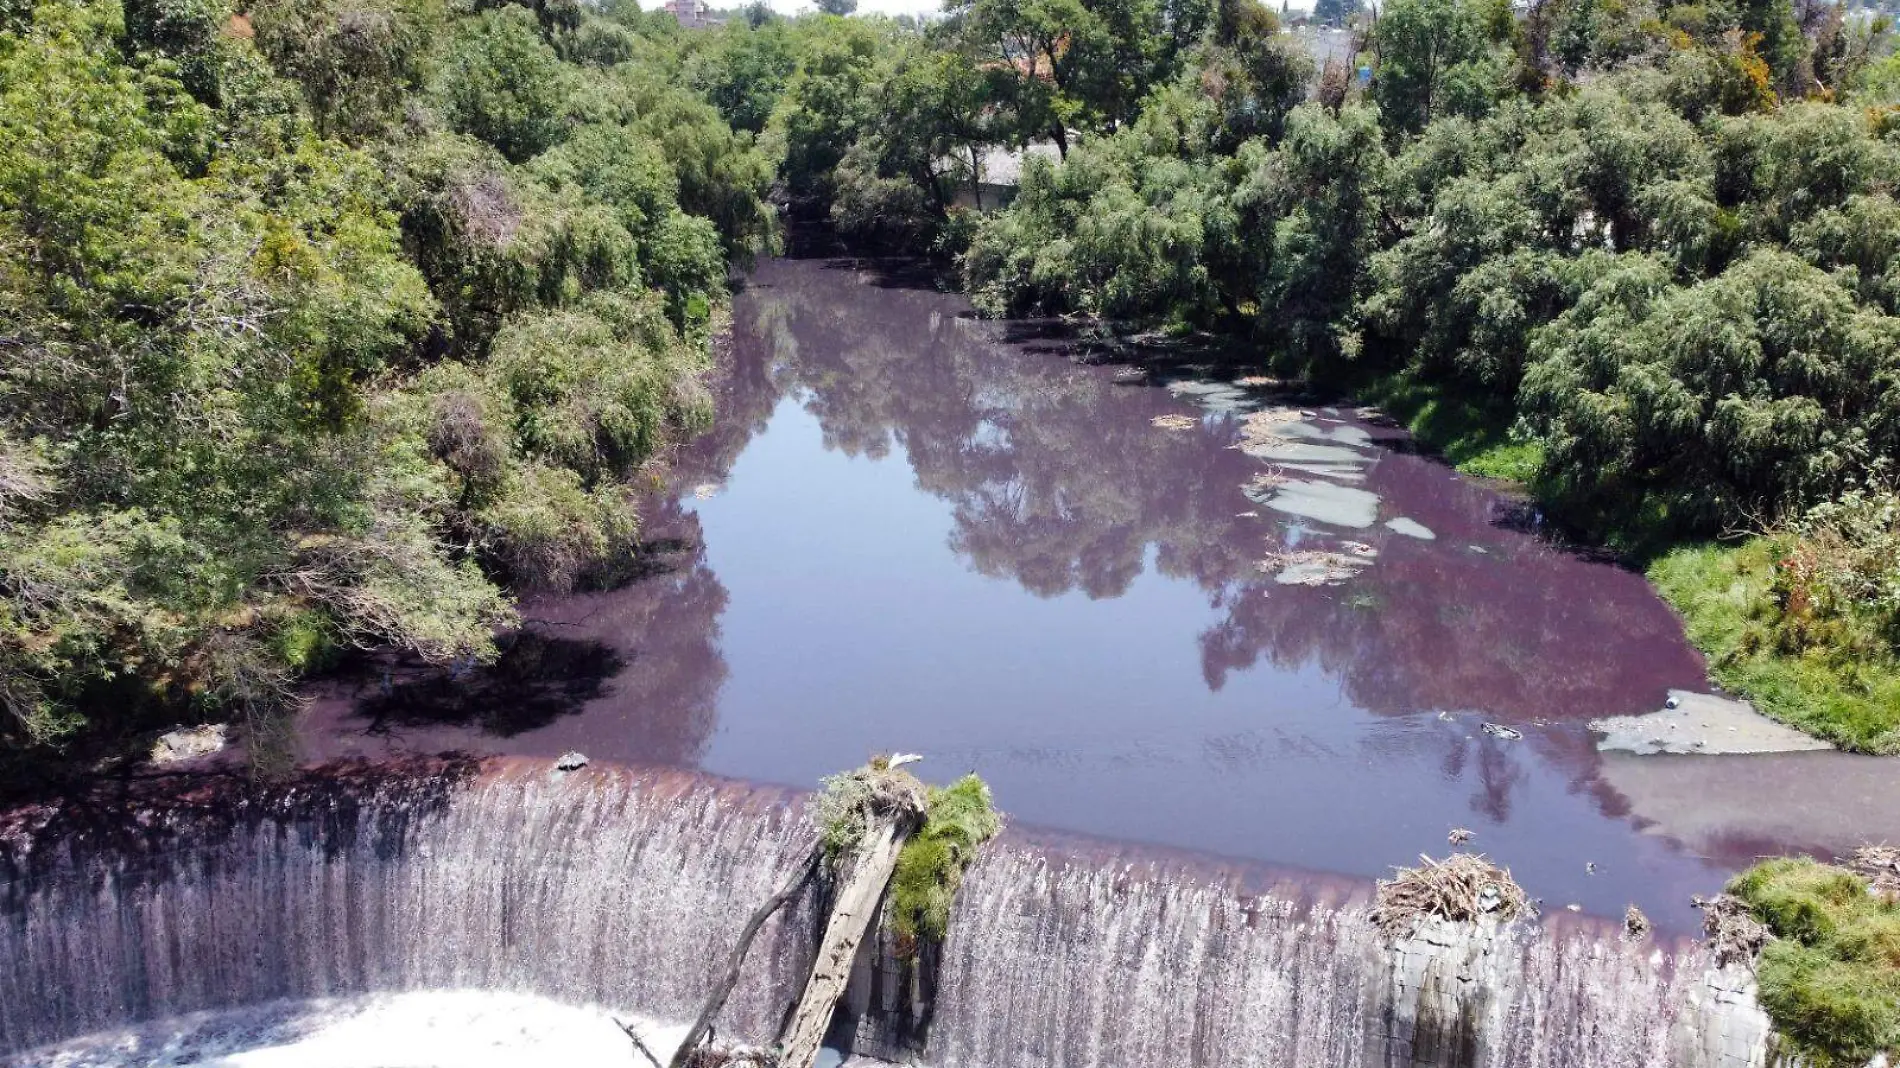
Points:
(537, 679)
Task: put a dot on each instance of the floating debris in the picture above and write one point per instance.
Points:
(1463, 888)
(1268, 427)
(1459, 836)
(1311, 567)
(1259, 382)
(1175, 422)
(706, 490)
(1499, 730)
(1589, 867)
(1880, 866)
(1359, 549)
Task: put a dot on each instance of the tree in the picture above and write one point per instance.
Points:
(1337, 12)
(839, 8)
(502, 83)
(1434, 58)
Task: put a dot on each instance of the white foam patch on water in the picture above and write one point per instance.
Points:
(1411, 528)
(1341, 506)
(1304, 452)
(420, 1029)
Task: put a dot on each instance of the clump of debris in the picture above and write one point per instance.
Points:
(1635, 923)
(732, 1057)
(1731, 928)
(1463, 888)
(1312, 567)
(1175, 422)
(1265, 427)
(1880, 866)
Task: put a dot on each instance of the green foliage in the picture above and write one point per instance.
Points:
(1830, 980)
(356, 61)
(1436, 57)
(264, 394)
(501, 83)
(931, 865)
(1847, 691)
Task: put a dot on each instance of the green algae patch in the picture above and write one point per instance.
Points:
(930, 868)
(1830, 978)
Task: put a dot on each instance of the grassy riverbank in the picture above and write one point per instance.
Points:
(1476, 440)
(1840, 685)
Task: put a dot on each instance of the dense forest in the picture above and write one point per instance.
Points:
(339, 322)
(327, 323)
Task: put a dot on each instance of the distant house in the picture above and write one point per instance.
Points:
(1002, 173)
(692, 14)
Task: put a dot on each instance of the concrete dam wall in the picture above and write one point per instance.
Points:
(626, 888)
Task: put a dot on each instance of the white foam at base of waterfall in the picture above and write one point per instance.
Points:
(415, 1029)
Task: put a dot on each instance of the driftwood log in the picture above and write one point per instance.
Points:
(851, 915)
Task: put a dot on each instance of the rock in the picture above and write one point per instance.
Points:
(184, 743)
(572, 760)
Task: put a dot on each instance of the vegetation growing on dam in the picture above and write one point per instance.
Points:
(957, 820)
(1830, 977)
(961, 817)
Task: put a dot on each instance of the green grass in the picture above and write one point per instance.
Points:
(930, 867)
(1477, 440)
(1723, 594)
(1831, 979)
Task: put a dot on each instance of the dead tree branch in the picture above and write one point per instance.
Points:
(716, 1001)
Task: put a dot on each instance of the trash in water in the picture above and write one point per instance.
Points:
(1499, 730)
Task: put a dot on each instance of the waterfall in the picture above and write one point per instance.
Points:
(627, 888)
(600, 887)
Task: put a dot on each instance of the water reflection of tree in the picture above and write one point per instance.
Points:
(630, 673)
(1061, 483)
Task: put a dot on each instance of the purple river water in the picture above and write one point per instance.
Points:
(913, 530)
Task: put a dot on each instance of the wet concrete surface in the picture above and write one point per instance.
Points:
(912, 530)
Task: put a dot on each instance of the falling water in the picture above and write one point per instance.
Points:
(615, 887)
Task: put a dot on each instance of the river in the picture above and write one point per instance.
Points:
(911, 529)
